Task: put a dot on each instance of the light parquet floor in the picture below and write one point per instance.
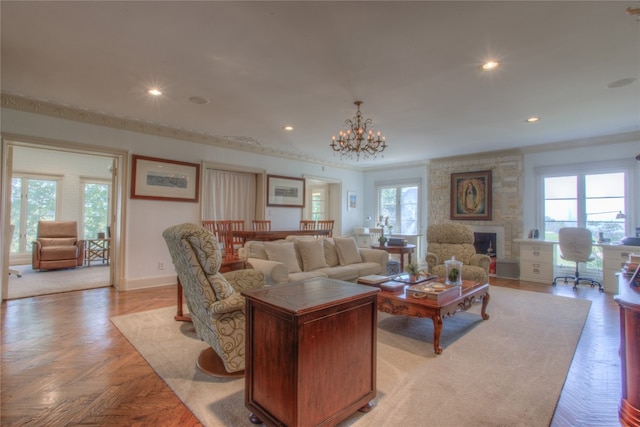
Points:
(64, 363)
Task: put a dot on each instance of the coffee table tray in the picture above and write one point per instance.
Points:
(407, 279)
(432, 290)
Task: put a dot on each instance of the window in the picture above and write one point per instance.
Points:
(584, 198)
(318, 203)
(400, 203)
(32, 199)
(594, 201)
(95, 208)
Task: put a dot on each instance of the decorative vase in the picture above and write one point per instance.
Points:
(413, 278)
(454, 272)
(382, 240)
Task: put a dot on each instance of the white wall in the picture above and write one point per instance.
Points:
(146, 219)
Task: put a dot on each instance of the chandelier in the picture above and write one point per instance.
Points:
(357, 139)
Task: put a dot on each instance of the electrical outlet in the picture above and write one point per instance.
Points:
(160, 265)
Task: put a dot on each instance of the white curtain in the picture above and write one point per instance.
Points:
(229, 195)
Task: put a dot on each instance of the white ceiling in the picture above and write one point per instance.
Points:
(263, 65)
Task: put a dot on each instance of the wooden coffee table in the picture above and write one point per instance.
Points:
(397, 303)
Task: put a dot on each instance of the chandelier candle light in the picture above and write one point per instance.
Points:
(357, 139)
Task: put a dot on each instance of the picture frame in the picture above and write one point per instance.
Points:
(161, 179)
(471, 195)
(284, 191)
(352, 200)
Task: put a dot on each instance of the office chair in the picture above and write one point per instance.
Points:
(575, 245)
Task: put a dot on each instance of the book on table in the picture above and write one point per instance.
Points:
(373, 279)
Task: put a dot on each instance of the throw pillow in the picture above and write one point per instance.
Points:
(330, 254)
(312, 254)
(284, 253)
(347, 250)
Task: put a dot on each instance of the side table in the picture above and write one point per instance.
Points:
(96, 249)
(401, 250)
(628, 299)
(229, 263)
(310, 352)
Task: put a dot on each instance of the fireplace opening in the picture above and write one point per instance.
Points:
(485, 243)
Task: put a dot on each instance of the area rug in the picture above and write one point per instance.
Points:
(505, 371)
(35, 283)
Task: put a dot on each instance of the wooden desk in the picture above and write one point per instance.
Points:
(310, 352)
(270, 235)
(401, 250)
(629, 301)
(230, 263)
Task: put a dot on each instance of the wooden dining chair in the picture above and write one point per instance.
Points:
(326, 224)
(236, 242)
(261, 224)
(306, 224)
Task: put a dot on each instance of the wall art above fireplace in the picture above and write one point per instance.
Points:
(471, 195)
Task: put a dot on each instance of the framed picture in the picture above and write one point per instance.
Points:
(161, 179)
(471, 195)
(285, 191)
(352, 200)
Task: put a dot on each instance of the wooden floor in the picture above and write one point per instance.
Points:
(64, 363)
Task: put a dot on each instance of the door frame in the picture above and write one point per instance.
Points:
(118, 197)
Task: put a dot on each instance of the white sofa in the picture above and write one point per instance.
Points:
(298, 258)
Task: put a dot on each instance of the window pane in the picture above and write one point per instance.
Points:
(16, 204)
(41, 204)
(388, 204)
(561, 187)
(605, 185)
(96, 209)
(408, 210)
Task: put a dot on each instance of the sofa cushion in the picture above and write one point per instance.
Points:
(255, 249)
(367, 268)
(311, 254)
(341, 272)
(347, 250)
(330, 253)
(283, 252)
(53, 253)
(57, 241)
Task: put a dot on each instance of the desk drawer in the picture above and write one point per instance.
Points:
(536, 271)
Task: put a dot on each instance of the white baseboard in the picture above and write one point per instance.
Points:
(150, 282)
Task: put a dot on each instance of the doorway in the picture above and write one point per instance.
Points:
(58, 182)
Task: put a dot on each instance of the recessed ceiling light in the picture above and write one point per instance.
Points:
(490, 66)
(287, 128)
(532, 119)
(621, 83)
(154, 91)
(199, 100)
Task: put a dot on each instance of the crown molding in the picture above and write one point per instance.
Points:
(31, 105)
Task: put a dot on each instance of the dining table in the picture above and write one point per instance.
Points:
(271, 235)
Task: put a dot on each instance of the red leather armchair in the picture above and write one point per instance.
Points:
(57, 246)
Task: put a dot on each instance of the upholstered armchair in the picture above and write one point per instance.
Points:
(57, 246)
(447, 240)
(214, 301)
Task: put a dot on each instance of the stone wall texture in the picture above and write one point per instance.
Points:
(507, 175)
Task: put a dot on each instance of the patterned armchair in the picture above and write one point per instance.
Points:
(447, 240)
(57, 246)
(213, 299)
